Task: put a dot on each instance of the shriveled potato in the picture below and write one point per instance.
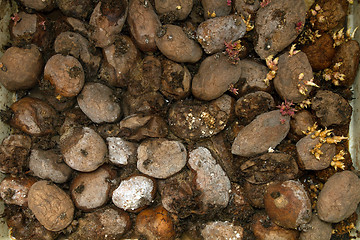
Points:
(104, 223)
(71, 43)
(175, 45)
(50, 205)
(108, 19)
(14, 151)
(33, 116)
(175, 80)
(20, 68)
(98, 103)
(49, 165)
(14, 190)
(40, 5)
(155, 223)
(213, 33)
(143, 23)
(83, 149)
(92, 190)
(333, 14)
(75, 8)
(66, 74)
(119, 59)
(175, 10)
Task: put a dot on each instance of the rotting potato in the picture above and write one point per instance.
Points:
(20, 67)
(175, 80)
(83, 149)
(175, 45)
(71, 43)
(66, 74)
(92, 190)
(33, 116)
(143, 23)
(97, 101)
(121, 152)
(14, 190)
(222, 230)
(49, 165)
(107, 20)
(174, 10)
(119, 59)
(76, 8)
(50, 205)
(14, 151)
(134, 193)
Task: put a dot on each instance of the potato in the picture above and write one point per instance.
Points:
(155, 223)
(33, 116)
(215, 75)
(275, 26)
(98, 103)
(49, 165)
(213, 33)
(71, 43)
(92, 190)
(253, 75)
(83, 149)
(14, 151)
(66, 74)
(334, 13)
(119, 60)
(40, 5)
(143, 23)
(247, 7)
(75, 8)
(148, 103)
(220, 8)
(50, 205)
(108, 19)
(176, 10)
(175, 45)
(14, 190)
(20, 68)
(175, 80)
(222, 230)
(121, 152)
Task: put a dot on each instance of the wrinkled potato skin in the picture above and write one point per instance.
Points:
(143, 23)
(50, 205)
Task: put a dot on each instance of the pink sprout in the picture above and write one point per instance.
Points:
(228, 2)
(264, 3)
(287, 109)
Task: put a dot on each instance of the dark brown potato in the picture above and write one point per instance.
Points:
(155, 223)
(14, 151)
(92, 190)
(66, 74)
(175, 45)
(20, 68)
(174, 10)
(247, 7)
(83, 149)
(108, 19)
(33, 116)
(334, 13)
(105, 223)
(321, 52)
(76, 8)
(119, 58)
(98, 103)
(148, 103)
(50, 205)
(143, 23)
(220, 8)
(14, 190)
(40, 5)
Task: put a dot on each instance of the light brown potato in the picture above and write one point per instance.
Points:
(143, 23)
(66, 74)
(20, 68)
(50, 205)
(175, 45)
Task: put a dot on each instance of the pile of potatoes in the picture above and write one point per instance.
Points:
(161, 119)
